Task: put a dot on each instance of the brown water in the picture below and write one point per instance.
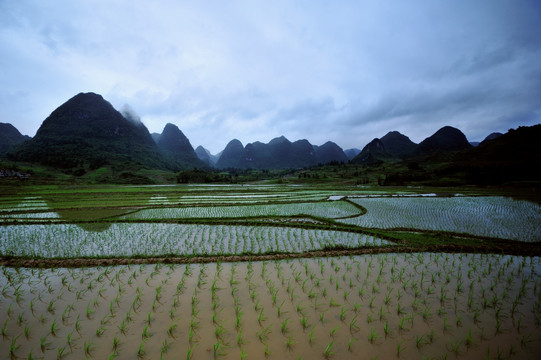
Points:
(384, 306)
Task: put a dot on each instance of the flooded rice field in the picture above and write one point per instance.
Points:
(492, 216)
(416, 305)
(160, 239)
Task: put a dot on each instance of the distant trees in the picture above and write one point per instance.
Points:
(202, 176)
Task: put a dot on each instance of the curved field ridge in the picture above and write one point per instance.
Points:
(333, 210)
(159, 239)
(497, 217)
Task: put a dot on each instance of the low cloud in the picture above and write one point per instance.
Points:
(130, 114)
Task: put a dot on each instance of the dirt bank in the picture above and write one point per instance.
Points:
(510, 249)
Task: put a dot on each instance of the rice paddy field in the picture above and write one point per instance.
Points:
(267, 271)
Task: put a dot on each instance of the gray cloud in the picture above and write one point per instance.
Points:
(344, 71)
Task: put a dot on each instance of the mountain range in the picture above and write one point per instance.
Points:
(395, 146)
(501, 158)
(86, 134)
(10, 138)
(279, 153)
(177, 148)
(205, 156)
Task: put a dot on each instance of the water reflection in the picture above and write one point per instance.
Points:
(89, 216)
(93, 215)
(31, 208)
(159, 200)
(89, 212)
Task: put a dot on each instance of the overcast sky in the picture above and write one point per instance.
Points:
(345, 71)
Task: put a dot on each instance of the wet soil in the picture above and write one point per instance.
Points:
(524, 249)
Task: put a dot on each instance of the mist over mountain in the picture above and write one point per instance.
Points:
(130, 114)
(155, 137)
(10, 138)
(351, 153)
(205, 156)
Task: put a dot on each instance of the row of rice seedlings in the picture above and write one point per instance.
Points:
(486, 216)
(406, 318)
(236, 195)
(333, 209)
(34, 216)
(59, 200)
(154, 239)
(41, 199)
(389, 305)
(27, 203)
(133, 196)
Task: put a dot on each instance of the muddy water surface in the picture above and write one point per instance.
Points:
(384, 306)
